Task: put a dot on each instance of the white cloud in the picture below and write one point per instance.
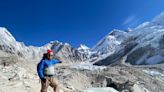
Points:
(131, 21)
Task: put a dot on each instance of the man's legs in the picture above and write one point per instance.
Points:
(54, 84)
(44, 85)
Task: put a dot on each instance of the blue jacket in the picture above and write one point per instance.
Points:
(44, 64)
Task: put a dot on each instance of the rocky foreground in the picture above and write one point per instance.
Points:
(22, 77)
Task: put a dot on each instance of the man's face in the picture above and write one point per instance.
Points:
(50, 55)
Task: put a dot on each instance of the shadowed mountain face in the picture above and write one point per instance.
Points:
(142, 46)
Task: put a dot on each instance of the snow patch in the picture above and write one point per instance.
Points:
(87, 66)
(154, 73)
(104, 89)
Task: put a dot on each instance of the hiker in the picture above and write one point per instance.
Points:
(46, 72)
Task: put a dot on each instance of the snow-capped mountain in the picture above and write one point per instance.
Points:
(9, 46)
(65, 52)
(143, 45)
(83, 48)
(110, 42)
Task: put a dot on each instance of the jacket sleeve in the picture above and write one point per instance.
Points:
(56, 61)
(41, 69)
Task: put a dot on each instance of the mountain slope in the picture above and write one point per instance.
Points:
(65, 52)
(144, 45)
(10, 46)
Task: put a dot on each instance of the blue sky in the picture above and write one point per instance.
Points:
(37, 22)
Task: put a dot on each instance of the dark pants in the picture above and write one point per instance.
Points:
(50, 81)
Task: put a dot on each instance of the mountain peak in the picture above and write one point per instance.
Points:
(6, 38)
(157, 22)
(5, 35)
(82, 46)
(159, 19)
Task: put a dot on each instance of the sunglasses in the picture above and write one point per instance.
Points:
(50, 55)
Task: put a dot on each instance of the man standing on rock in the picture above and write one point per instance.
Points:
(46, 72)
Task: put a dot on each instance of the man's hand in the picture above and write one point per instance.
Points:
(60, 61)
